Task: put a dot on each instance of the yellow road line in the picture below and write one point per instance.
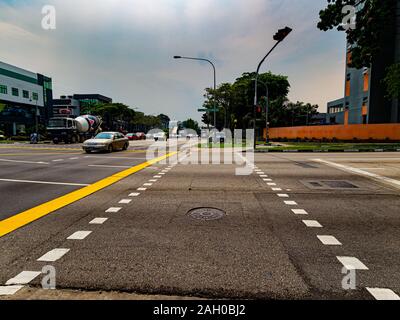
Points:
(17, 221)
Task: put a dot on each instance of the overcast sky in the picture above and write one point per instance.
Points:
(124, 48)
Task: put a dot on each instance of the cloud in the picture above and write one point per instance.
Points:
(124, 48)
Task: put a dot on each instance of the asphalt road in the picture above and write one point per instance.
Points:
(266, 245)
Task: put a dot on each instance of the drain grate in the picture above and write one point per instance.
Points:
(206, 214)
(330, 184)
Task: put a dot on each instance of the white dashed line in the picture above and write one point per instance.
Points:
(263, 176)
(329, 240)
(283, 195)
(157, 177)
(58, 160)
(291, 203)
(79, 235)
(147, 184)
(98, 221)
(125, 201)
(73, 158)
(135, 194)
(46, 182)
(276, 189)
(162, 173)
(153, 180)
(141, 189)
(267, 179)
(260, 173)
(383, 294)
(113, 210)
(23, 278)
(351, 263)
(9, 290)
(271, 184)
(53, 255)
(299, 211)
(312, 223)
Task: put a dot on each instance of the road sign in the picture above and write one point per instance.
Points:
(207, 110)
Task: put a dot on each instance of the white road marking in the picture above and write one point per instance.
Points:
(98, 221)
(157, 177)
(141, 189)
(329, 240)
(113, 210)
(271, 184)
(73, 158)
(135, 194)
(276, 189)
(125, 201)
(106, 166)
(283, 195)
(383, 294)
(79, 235)
(299, 211)
(352, 263)
(9, 290)
(23, 278)
(147, 184)
(267, 179)
(153, 180)
(291, 203)
(127, 158)
(162, 173)
(20, 161)
(53, 255)
(58, 160)
(312, 223)
(372, 168)
(263, 176)
(374, 176)
(260, 173)
(46, 182)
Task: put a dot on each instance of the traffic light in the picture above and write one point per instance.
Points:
(282, 34)
(258, 111)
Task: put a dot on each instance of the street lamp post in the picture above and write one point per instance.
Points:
(215, 81)
(279, 37)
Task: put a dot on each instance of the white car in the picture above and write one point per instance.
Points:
(160, 136)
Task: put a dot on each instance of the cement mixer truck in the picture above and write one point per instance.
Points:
(71, 130)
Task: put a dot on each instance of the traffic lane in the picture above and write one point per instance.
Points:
(367, 226)
(152, 246)
(364, 220)
(35, 239)
(296, 172)
(21, 190)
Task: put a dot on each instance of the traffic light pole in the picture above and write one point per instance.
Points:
(256, 92)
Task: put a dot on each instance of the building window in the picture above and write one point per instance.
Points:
(15, 92)
(3, 89)
(35, 96)
(25, 94)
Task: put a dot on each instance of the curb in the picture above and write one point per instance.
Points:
(327, 151)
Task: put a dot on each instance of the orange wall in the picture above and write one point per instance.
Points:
(340, 132)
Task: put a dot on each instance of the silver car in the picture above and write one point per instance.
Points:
(106, 141)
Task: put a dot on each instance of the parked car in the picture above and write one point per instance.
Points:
(106, 141)
(141, 135)
(132, 136)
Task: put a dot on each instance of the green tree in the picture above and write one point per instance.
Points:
(374, 18)
(392, 81)
(191, 124)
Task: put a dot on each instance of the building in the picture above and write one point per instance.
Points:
(25, 100)
(365, 99)
(71, 106)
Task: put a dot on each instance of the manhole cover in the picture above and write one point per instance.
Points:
(206, 214)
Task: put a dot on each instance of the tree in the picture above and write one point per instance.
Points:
(392, 81)
(372, 21)
(236, 100)
(191, 124)
(164, 119)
